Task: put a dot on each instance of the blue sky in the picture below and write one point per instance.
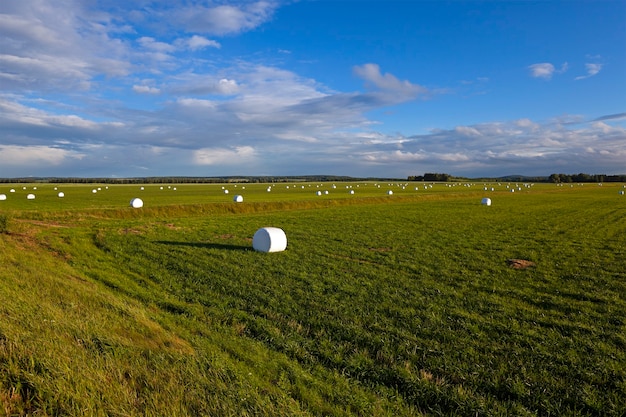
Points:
(133, 88)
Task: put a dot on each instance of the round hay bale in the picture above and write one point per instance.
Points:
(269, 239)
(238, 199)
(136, 203)
(12, 190)
(318, 193)
(389, 192)
(226, 191)
(30, 197)
(61, 194)
(3, 197)
(621, 192)
(351, 191)
(485, 201)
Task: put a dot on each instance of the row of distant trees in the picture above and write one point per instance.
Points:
(431, 177)
(555, 178)
(565, 178)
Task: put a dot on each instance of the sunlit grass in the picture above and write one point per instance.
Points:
(381, 305)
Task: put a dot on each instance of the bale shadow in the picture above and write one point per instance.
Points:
(202, 245)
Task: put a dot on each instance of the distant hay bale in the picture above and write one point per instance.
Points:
(238, 199)
(269, 239)
(136, 203)
(30, 197)
(3, 197)
(318, 193)
(621, 192)
(389, 192)
(351, 191)
(12, 190)
(94, 191)
(226, 191)
(61, 194)
(485, 201)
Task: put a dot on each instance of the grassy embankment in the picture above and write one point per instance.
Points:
(381, 305)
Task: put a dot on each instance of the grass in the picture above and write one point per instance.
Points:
(380, 306)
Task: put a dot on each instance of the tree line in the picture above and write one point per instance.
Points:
(554, 178)
(565, 178)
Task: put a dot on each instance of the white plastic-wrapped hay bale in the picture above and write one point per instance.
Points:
(318, 193)
(226, 191)
(389, 192)
(238, 198)
(136, 203)
(485, 201)
(3, 197)
(61, 194)
(621, 192)
(269, 239)
(30, 197)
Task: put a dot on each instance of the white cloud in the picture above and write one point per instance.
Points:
(226, 19)
(225, 86)
(154, 45)
(542, 70)
(56, 46)
(145, 89)
(387, 82)
(199, 42)
(467, 131)
(545, 70)
(592, 69)
(35, 156)
(220, 156)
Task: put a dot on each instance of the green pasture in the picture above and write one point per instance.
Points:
(382, 305)
(107, 196)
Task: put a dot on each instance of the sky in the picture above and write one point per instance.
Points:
(363, 88)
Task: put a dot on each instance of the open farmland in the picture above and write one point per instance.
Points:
(382, 305)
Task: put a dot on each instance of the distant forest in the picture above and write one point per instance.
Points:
(555, 178)
(427, 177)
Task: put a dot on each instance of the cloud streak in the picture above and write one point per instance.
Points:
(592, 70)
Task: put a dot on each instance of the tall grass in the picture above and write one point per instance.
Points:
(379, 306)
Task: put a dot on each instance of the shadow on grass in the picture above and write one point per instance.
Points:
(221, 246)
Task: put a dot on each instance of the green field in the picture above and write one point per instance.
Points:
(382, 305)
